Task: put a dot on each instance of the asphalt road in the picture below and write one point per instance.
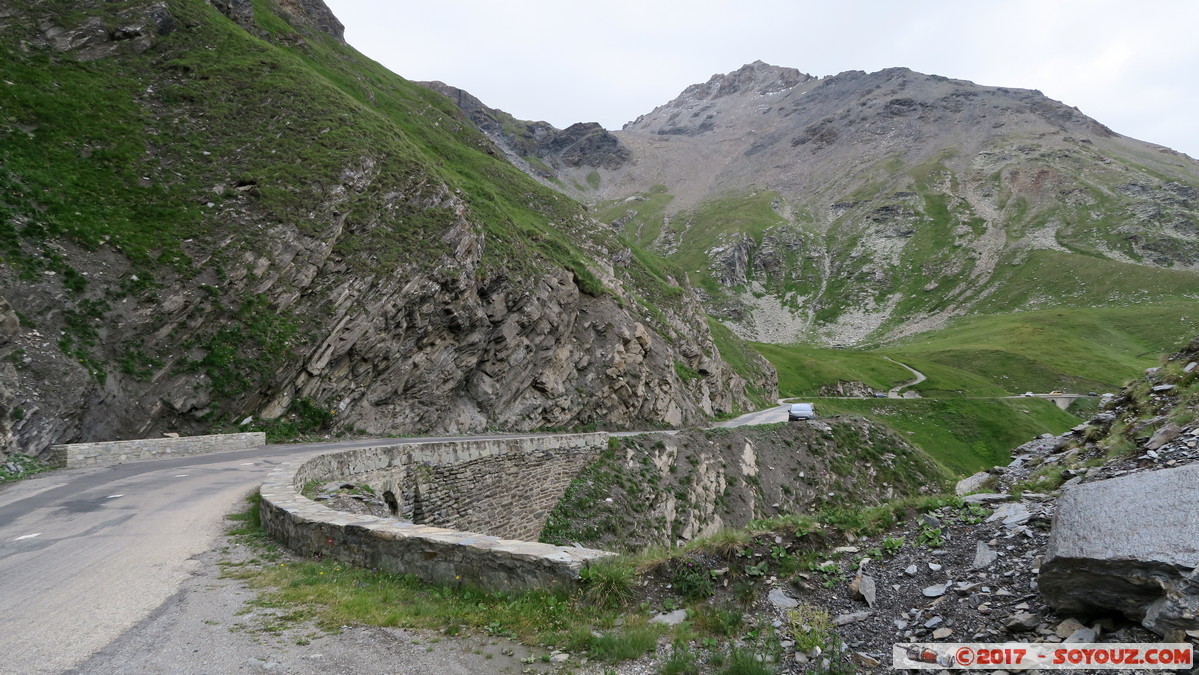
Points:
(85, 554)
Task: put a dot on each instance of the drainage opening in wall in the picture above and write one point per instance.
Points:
(392, 504)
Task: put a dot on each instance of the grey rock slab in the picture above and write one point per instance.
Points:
(1067, 628)
(983, 556)
(1163, 436)
(780, 599)
(865, 660)
(1130, 545)
(864, 588)
(1021, 622)
(852, 617)
(672, 618)
(1012, 515)
(929, 520)
(936, 591)
(971, 483)
(1082, 635)
(986, 498)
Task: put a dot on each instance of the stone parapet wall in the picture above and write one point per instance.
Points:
(491, 492)
(75, 455)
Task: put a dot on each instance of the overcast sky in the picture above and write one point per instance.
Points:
(1130, 64)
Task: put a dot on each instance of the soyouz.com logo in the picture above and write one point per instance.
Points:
(1044, 656)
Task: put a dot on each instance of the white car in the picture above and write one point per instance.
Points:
(801, 411)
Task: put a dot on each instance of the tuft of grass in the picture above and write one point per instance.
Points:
(680, 662)
(811, 627)
(621, 645)
(249, 521)
(743, 661)
(609, 582)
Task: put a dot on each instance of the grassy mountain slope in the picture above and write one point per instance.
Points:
(962, 435)
(1069, 349)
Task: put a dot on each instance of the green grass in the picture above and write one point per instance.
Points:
(1076, 350)
(624, 644)
(648, 209)
(1054, 279)
(802, 370)
(963, 435)
(749, 214)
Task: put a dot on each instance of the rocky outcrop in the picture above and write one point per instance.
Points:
(308, 14)
(586, 144)
(240, 12)
(844, 389)
(688, 115)
(1130, 545)
(449, 348)
(314, 14)
(119, 30)
(731, 260)
(581, 145)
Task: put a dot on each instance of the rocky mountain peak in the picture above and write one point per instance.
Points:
(704, 103)
(757, 77)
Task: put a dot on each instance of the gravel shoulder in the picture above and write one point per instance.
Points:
(211, 625)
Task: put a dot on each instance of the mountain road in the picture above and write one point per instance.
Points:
(87, 554)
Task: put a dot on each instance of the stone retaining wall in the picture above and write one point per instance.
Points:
(499, 490)
(76, 455)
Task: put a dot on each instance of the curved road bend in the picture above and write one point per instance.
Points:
(85, 554)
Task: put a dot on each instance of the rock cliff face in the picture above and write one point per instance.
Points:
(251, 267)
(666, 491)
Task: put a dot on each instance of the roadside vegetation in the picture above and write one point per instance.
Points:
(17, 466)
(714, 584)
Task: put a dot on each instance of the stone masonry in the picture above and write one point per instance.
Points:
(492, 492)
(75, 455)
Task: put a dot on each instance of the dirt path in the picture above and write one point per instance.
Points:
(896, 391)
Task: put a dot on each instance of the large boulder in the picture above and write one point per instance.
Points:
(1130, 545)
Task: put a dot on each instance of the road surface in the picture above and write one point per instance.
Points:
(86, 554)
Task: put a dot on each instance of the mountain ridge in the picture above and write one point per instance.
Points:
(865, 207)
